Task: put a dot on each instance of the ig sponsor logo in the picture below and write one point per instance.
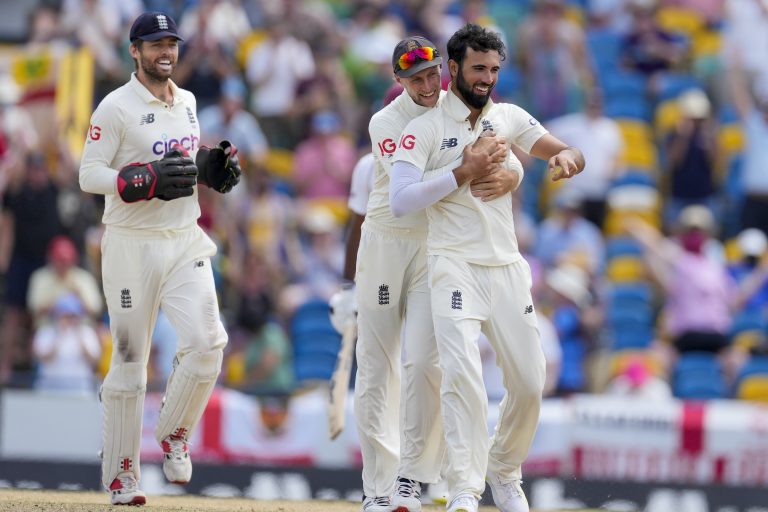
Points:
(386, 146)
(94, 132)
(408, 141)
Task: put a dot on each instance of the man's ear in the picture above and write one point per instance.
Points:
(453, 68)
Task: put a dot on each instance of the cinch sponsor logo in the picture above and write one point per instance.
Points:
(189, 143)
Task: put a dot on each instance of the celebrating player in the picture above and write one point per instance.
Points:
(154, 255)
(479, 281)
(391, 283)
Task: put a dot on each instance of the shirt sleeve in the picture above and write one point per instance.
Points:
(360, 188)
(408, 193)
(105, 134)
(526, 129)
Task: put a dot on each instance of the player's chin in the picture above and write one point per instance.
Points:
(430, 101)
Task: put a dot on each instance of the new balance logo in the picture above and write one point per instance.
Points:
(125, 299)
(383, 295)
(162, 22)
(456, 300)
(528, 310)
(199, 264)
(147, 119)
(449, 143)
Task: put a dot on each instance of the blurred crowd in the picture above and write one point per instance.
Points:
(649, 269)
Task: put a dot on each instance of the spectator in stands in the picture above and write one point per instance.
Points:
(95, 25)
(753, 112)
(691, 153)
(699, 293)
(324, 162)
(266, 220)
(565, 230)
(330, 88)
(553, 56)
(602, 143)
(647, 48)
(257, 332)
(67, 349)
(204, 59)
(17, 134)
(63, 276)
(274, 68)
(28, 221)
(745, 29)
(636, 380)
(750, 272)
(321, 260)
(219, 22)
(572, 312)
(229, 120)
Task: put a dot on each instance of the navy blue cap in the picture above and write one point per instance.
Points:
(151, 26)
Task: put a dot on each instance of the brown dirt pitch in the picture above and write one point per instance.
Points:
(13, 500)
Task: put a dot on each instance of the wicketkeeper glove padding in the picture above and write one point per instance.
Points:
(171, 177)
(218, 166)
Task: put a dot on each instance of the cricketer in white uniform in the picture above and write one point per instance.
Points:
(479, 280)
(154, 255)
(390, 286)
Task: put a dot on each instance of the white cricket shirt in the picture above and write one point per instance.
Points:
(362, 184)
(461, 225)
(385, 128)
(131, 125)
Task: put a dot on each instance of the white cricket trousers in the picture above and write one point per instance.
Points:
(397, 430)
(467, 299)
(144, 271)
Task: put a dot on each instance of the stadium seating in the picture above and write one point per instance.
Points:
(315, 342)
(752, 380)
(698, 375)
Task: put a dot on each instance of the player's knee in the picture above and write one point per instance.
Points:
(126, 377)
(203, 340)
(203, 364)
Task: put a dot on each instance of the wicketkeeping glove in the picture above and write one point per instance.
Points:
(218, 166)
(171, 177)
(343, 307)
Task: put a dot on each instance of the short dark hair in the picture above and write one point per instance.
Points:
(476, 37)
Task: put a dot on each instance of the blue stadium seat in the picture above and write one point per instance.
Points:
(623, 84)
(755, 365)
(635, 177)
(748, 320)
(315, 342)
(604, 46)
(622, 246)
(628, 108)
(698, 375)
(671, 85)
(572, 377)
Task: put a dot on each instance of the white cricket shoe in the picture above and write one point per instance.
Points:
(377, 504)
(407, 497)
(507, 494)
(177, 465)
(438, 492)
(124, 490)
(463, 502)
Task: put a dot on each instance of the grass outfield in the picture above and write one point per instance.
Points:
(13, 500)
